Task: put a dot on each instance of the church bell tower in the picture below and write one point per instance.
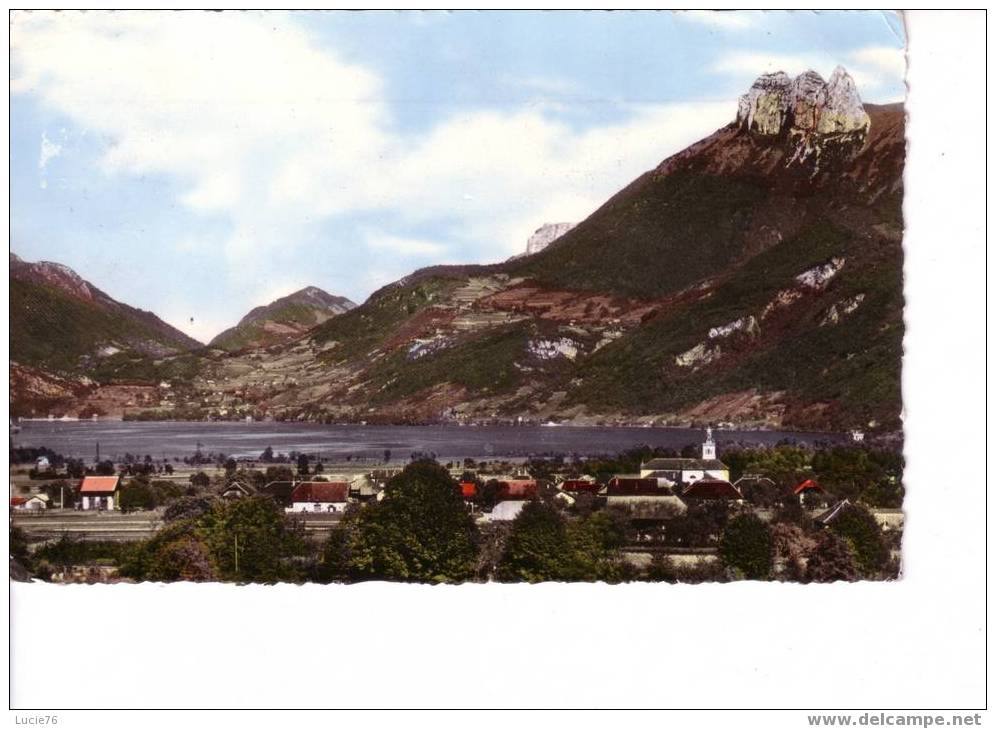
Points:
(709, 447)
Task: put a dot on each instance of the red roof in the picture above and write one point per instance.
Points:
(712, 488)
(99, 485)
(320, 492)
(636, 487)
(517, 488)
(580, 485)
(18, 500)
(468, 489)
(807, 485)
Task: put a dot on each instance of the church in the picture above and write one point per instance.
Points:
(674, 471)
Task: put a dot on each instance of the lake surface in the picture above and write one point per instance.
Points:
(171, 440)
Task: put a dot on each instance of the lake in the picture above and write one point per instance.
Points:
(171, 440)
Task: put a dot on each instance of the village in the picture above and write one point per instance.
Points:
(669, 512)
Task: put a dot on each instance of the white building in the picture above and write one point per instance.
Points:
(673, 471)
(323, 497)
(98, 493)
(505, 511)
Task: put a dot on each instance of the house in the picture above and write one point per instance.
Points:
(642, 494)
(42, 463)
(760, 490)
(363, 489)
(673, 471)
(566, 498)
(236, 490)
(505, 510)
(279, 491)
(808, 491)
(98, 493)
(28, 503)
(319, 496)
(831, 514)
(580, 486)
(516, 489)
(711, 489)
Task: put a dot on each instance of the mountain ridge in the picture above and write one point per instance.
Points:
(283, 319)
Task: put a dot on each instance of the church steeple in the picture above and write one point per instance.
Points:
(709, 447)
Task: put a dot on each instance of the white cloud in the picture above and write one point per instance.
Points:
(872, 68)
(48, 150)
(403, 246)
(261, 126)
(720, 19)
(888, 60)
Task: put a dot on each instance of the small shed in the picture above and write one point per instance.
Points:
(98, 493)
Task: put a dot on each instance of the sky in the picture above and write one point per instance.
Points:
(198, 164)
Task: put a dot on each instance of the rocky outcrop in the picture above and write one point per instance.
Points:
(545, 235)
(816, 116)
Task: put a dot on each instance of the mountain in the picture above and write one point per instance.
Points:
(754, 277)
(63, 323)
(282, 320)
(67, 337)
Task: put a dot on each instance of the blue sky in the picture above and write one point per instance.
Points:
(198, 164)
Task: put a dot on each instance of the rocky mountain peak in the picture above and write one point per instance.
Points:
(545, 235)
(815, 115)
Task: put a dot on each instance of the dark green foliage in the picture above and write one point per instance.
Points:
(135, 495)
(69, 551)
(747, 546)
(651, 226)
(59, 332)
(365, 327)
(200, 480)
(301, 310)
(831, 560)
(700, 526)
(857, 525)
(335, 564)
(248, 540)
(60, 492)
(419, 532)
(538, 548)
(188, 507)
(853, 472)
(482, 364)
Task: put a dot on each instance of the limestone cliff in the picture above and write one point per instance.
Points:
(814, 115)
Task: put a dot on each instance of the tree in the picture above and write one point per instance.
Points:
(857, 525)
(792, 546)
(831, 559)
(104, 468)
(188, 507)
(250, 541)
(230, 466)
(387, 455)
(136, 494)
(186, 559)
(538, 548)
(335, 560)
(60, 493)
(302, 464)
(419, 532)
(747, 546)
(200, 480)
(267, 455)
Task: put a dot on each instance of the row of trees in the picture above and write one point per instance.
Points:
(421, 531)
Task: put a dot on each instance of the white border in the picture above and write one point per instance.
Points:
(915, 644)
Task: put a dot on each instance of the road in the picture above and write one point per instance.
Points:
(133, 527)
